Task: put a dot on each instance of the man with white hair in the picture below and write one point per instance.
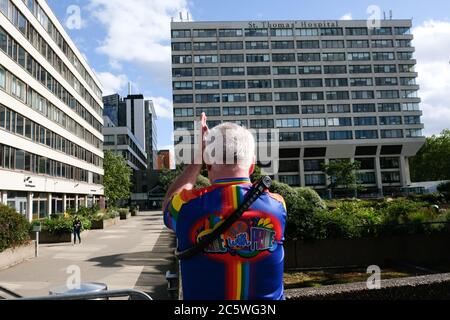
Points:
(246, 261)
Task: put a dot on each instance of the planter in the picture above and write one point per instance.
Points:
(417, 249)
(47, 237)
(103, 224)
(134, 213)
(125, 215)
(13, 256)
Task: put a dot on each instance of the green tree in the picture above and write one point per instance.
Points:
(117, 179)
(167, 177)
(343, 173)
(432, 161)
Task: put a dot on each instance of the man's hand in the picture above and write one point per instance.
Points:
(203, 131)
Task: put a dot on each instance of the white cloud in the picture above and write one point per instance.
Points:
(347, 16)
(163, 107)
(138, 31)
(112, 83)
(432, 42)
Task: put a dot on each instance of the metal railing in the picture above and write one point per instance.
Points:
(131, 294)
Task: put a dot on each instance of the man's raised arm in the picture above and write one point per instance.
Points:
(187, 179)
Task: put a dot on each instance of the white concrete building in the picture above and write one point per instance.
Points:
(333, 90)
(51, 121)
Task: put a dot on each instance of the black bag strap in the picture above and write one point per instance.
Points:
(252, 195)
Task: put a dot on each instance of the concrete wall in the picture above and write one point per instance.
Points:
(416, 249)
(11, 257)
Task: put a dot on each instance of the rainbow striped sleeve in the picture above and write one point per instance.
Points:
(174, 207)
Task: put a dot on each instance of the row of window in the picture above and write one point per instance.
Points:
(312, 180)
(24, 59)
(314, 135)
(18, 89)
(294, 96)
(295, 109)
(291, 57)
(288, 32)
(124, 140)
(303, 44)
(15, 159)
(16, 123)
(42, 18)
(292, 70)
(293, 83)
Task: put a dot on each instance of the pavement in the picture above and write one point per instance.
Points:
(135, 254)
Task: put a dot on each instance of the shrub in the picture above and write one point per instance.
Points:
(13, 228)
(202, 182)
(62, 224)
(312, 197)
(444, 187)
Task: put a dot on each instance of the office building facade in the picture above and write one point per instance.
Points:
(332, 89)
(51, 109)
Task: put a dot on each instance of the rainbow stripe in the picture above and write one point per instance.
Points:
(232, 181)
(238, 280)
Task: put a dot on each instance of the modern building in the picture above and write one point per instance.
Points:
(124, 130)
(332, 89)
(51, 109)
(164, 160)
(151, 142)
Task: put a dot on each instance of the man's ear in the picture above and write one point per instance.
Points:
(252, 169)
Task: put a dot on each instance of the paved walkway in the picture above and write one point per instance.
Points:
(136, 253)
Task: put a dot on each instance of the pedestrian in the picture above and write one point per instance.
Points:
(76, 230)
(246, 261)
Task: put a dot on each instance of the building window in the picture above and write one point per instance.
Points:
(181, 33)
(287, 110)
(260, 110)
(233, 71)
(206, 59)
(338, 108)
(257, 71)
(181, 46)
(391, 134)
(389, 107)
(339, 122)
(413, 133)
(231, 58)
(310, 70)
(182, 85)
(390, 177)
(366, 178)
(412, 119)
(254, 32)
(110, 140)
(313, 109)
(231, 45)
(281, 32)
(288, 123)
(364, 107)
(311, 83)
(365, 121)
(290, 180)
(261, 123)
(253, 97)
(282, 44)
(204, 33)
(234, 97)
(313, 165)
(183, 98)
(183, 125)
(182, 72)
(317, 122)
(256, 45)
(356, 31)
(308, 57)
(283, 57)
(289, 166)
(311, 96)
(308, 32)
(341, 135)
(209, 111)
(366, 134)
(308, 44)
(206, 85)
(290, 136)
(234, 111)
(207, 98)
(265, 83)
(314, 179)
(183, 112)
(360, 69)
(233, 84)
(334, 69)
(362, 95)
(391, 120)
(230, 33)
(286, 96)
(284, 70)
(258, 57)
(337, 95)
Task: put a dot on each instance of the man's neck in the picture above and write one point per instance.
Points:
(225, 172)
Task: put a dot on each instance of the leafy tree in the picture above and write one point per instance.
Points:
(117, 178)
(343, 173)
(432, 161)
(167, 177)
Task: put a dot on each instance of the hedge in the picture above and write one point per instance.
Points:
(13, 228)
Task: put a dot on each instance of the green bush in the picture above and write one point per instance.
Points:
(202, 182)
(444, 187)
(14, 228)
(312, 197)
(62, 225)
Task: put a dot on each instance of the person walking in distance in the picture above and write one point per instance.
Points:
(76, 230)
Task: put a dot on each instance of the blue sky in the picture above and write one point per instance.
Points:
(129, 41)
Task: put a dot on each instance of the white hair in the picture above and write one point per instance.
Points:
(229, 143)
